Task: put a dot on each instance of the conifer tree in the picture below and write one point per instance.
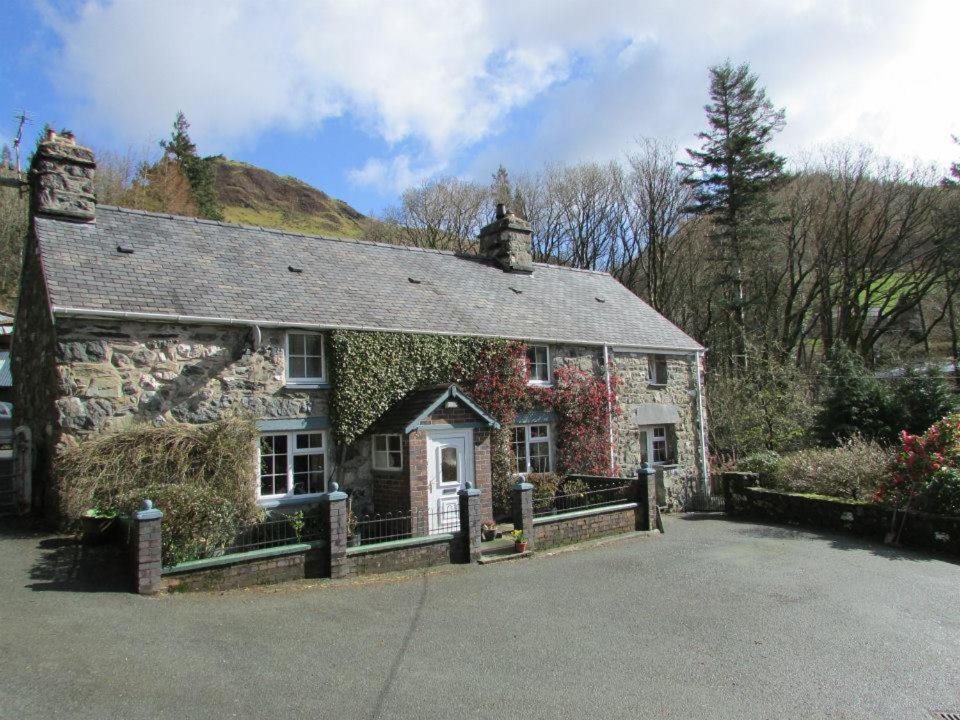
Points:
(731, 174)
(198, 171)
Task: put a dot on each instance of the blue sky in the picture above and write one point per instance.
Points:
(362, 98)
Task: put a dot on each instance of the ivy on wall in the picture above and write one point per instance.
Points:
(372, 370)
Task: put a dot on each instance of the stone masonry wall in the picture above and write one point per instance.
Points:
(680, 392)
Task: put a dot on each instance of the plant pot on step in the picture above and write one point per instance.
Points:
(488, 531)
(520, 547)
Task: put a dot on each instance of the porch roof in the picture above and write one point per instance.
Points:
(410, 412)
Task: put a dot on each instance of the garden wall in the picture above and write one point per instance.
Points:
(245, 569)
(553, 530)
(411, 554)
(938, 533)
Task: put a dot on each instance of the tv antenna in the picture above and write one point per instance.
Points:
(22, 119)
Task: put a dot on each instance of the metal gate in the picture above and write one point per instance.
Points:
(704, 502)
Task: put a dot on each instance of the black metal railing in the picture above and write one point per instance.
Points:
(292, 529)
(580, 495)
(385, 527)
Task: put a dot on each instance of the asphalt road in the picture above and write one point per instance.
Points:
(716, 619)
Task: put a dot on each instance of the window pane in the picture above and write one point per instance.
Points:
(314, 367)
(306, 441)
(273, 464)
(659, 432)
(644, 452)
(539, 457)
(307, 474)
(313, 344)
(538, 431)
(395, 459)
(379, 442)
(448, 465)
(395, 443)
(298, 367)
(296, 344)
(659, 450)
(519, 442)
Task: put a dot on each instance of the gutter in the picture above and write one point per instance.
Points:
(701, 418)
(247, 322)
(606, 371)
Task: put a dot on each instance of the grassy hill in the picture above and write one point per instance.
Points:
(254, 196)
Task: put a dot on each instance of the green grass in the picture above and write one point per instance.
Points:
(309, 224)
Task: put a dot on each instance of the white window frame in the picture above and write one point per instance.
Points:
(527, 444)
(292, 452)
(537, 381)
(652, 360)
(374, 453)
(652, 440)
(305, 381)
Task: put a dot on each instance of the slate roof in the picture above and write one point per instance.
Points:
(194, 269)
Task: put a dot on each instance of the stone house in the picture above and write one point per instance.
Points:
(130, 316)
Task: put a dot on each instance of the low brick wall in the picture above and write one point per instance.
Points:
(938, 533)
(562, 529)
(410, 554)
(261, 567)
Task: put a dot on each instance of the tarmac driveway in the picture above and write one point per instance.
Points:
(715, 619)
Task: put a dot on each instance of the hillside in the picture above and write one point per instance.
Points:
(254, 196)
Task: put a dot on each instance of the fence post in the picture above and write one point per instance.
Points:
(522, 505)
(146, 549)
(335, 515)
(646, 487)
(469, 498)
(23, 465)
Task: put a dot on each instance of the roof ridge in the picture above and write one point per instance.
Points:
(330, 238)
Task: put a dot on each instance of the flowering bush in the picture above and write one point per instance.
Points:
(926, 470)
(584, 410)
(850, 471)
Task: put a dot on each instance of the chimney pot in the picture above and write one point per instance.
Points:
(61, 178)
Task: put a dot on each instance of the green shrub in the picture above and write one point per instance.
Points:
(200, 476)
(853, 470)
(545, 487)
(923, 398)
(855, 402)
(764, 463)
(942, 494)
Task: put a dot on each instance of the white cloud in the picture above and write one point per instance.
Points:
(392, 175)
(438, 79)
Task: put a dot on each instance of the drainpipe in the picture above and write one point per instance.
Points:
(606, 373)
(704, 463)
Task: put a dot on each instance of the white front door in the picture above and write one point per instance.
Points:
(449, 467)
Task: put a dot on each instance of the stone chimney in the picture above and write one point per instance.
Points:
(507, 240)
(61, 178)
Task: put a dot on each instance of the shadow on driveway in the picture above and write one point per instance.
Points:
(63, 563)
(839, 541)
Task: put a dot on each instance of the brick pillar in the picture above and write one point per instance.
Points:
(646, 485)
(522, 505)
(334, 504)
(470, 519)
(145, 549)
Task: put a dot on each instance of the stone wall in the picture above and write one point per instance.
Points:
(635, 390)
(371, 559)
(32, 360)
(245, 573)
(559, 530)
(938, 533)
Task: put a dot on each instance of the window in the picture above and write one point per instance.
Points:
(654, 445)
(531, 449)
(387, 452)
(292, 464)
(538, 357)
(657, 369)
(305, 361)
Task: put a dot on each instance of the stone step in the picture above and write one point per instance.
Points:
(486, 558)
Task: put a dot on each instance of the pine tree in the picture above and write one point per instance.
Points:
(732, 173)
(198, 171)
(500, 186)
(6, 159)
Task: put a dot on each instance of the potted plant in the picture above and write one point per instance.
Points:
(98, 526)
(488, 531)
(519, 541)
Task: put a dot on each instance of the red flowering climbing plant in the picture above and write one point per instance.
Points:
(925, 467)
(585, 409)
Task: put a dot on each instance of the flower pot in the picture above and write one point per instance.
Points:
(97, 530)
(520, 547)
(488, 534)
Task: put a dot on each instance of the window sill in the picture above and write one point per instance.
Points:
(539, 383)
(319, 385)
(391, 471)
(656, 386)
(288, 500)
